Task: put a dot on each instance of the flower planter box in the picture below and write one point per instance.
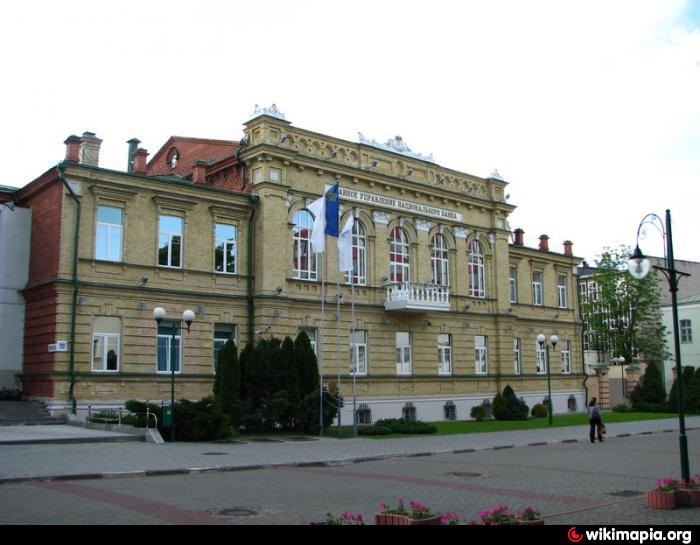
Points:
(536, 522)
(388, 519)
(661, 500)
(692, 497)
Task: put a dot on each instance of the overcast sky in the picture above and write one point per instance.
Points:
(590, 110)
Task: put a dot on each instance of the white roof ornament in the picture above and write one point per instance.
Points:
(396, 145)
(495, 175)
(272, 111)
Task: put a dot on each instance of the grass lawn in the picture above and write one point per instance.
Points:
(485, 426)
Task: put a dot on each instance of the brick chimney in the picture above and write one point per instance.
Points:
(519, 235)
(568, 248)
(140, 161)
(544, 243)
(90, 150)
(73, 143)
(199, 172)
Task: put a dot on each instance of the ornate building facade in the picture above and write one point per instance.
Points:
(447, 304)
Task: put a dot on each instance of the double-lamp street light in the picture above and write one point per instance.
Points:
(175, 328)
(639, 266)
(542, 340)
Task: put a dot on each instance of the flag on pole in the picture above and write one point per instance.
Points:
(345, 246)
(326, 211)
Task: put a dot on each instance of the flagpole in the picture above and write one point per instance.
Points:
(320, 344)
(337, 347)
(354, 374)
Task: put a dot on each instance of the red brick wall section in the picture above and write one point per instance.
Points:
(47, 209)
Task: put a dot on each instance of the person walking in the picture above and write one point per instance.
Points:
(595, 420)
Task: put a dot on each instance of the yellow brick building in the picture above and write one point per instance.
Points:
(447, 303)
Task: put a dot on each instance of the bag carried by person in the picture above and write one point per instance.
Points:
(602, 429)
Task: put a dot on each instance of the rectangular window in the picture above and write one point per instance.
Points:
(517, 363)
(444, 347)
(108, 233)
(311, 334)
(275, 175)
(537, 289)
(170, 242)
(222, 334)
(225, 249)
(358, 352)
(105, 343)
(403, 353)
(169, 347)
(583, 292)
(513, 278)
(566, 357)
(686, 331)
(541, 359)
(481, 358)
(562, 291)
(257, 175)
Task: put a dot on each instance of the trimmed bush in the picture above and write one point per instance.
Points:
(507, 406)
(373, 430)
(478, 413)
(401, 425)
(539, 411)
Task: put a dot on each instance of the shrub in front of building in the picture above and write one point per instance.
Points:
(507, 406)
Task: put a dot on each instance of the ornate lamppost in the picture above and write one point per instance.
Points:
(542, 340)
(639, 266)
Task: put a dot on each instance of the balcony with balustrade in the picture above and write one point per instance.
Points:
(416, 297)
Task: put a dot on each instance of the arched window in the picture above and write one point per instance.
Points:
(477, 283)
(173, 156)
(439, 260)
(359, 255)
(399, 255)
(304, 258)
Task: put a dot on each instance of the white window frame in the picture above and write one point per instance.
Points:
(566, 357)
(517, 356)
(481, 354)
(444, 349)
(477, 270)
(440, 260)
(358, 276)
(219, 342)
(275, 175)
(537, 288)
(227, 245)
(104, 339)
(311, 334)
(403, 353)
(163, 338)
(562, 291)
(513, 283)
(301, 241)
(113, 235)
(399, 256)
(171, 236)
(358, 352)
(686, 331)
(541, 358)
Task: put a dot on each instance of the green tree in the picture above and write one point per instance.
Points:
(227, 384)
(624, 314)
(307, 365)
(651, 388)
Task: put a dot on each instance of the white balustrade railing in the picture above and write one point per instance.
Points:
(418, 293)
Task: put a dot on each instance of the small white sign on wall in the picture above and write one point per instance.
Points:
(59, 346)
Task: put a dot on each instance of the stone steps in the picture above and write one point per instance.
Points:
(27, 413)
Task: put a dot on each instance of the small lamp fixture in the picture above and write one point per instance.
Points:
(638, 265)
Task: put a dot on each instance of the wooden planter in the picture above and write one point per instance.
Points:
(661, 500)
(389, 519)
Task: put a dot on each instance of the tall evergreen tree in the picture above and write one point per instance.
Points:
(652, 385)
(307, 365)
(227, 384)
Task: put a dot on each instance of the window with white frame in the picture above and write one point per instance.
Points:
(222, 334)
(566, 357)
(108, 233)
(481, 358)
(686, 331)
(439, 260)
(541, 358)
(304, 258)
(169, 347)
(537, 298)
(517, 361)
(513, 281)
(106, 332)
(476, 269)
(225, 248)
(359, 255)
(358, 352)
(444, 347)
(275, 175)
(170, 242)
(403, 353)
(562, 291)
(311, 334)
(399, 256)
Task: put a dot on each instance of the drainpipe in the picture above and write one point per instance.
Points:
(74, 306)
(254, 199)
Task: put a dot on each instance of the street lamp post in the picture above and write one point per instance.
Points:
(188, 318)
(620, 360)
(639, 266)
(542, 340)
